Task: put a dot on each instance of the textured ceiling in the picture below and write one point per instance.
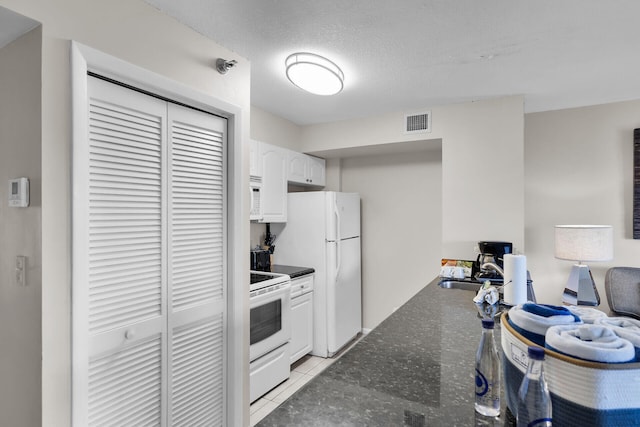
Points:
(413, 54)
(410, 55)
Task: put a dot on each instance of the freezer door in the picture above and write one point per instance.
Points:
(344, 297)
(343, 215)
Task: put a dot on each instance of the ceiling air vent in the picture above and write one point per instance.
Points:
(417, 123)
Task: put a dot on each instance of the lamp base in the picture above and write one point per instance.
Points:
(581, 289)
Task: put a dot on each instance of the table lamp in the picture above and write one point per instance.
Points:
(583, 243)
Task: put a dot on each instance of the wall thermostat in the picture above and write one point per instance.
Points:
(19, 192)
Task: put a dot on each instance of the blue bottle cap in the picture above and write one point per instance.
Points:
(488, 323)
(536, 353)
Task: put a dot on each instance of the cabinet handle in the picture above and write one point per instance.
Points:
(129, 334)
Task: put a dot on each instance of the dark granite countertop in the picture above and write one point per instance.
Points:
(415, 369)
(291, 270)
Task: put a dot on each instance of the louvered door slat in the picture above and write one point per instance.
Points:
(138, 274)
(139, 145)
(193, 179)
(126, 384)
(111, 175)
(104, 147)
(122, 125)
(196, 269)
(197, 209)
(124, 281)
(143, 251)
(196, 358)
(120, 228)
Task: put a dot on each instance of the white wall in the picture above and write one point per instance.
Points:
(482, 174)
(483, 165)
(141, 35)
(401, 226)
(579, 170)
(20, 231)
(272, 129)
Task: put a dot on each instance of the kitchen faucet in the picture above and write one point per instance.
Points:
(492, 266)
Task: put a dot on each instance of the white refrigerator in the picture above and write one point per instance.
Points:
(323, 231)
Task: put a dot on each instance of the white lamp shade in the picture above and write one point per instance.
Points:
(314, 73)
(584, 242)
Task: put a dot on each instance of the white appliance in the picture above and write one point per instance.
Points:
(323, 231)
(270, 331)
(255, 188)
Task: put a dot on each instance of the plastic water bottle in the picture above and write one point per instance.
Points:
(487, 373)
(534, 401)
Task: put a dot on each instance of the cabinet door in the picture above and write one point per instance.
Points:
(274, 183)
(297, 167)
(316, 168)
(301, 326)
(305, 170)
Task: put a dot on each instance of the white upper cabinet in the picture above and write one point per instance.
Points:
(270, 168)
(255, 165)
(316, 167)
(305, 170)
(273, 197)
(297, 167)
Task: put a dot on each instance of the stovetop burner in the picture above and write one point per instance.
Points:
(257, 278)
(262, 279)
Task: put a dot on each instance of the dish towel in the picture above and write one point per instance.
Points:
(596, 343)
(532, 320)
(587, 314)
(487, 294)
(624, 327)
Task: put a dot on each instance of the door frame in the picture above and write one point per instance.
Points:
(85, 59)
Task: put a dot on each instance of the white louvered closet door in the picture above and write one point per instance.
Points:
(196, 267)
(149, 263)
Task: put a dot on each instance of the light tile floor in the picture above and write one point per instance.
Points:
(302, 372)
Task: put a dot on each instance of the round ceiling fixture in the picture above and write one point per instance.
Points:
(314, 73)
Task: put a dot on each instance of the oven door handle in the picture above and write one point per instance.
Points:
(257, 300)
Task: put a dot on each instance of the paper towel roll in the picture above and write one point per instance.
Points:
(515, 279)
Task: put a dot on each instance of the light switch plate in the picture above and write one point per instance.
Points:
(21, 270)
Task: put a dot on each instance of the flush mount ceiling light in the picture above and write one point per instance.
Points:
(314, 73)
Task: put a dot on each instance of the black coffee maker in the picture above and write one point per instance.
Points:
(490, 252)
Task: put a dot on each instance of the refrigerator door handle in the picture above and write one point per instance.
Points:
(338, 242)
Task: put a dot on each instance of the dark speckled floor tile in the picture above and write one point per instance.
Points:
(405, 373)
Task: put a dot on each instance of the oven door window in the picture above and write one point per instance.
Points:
(266, 320)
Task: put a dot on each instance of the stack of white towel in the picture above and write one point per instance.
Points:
(587, 314)
(581, 332)
(532, 320)
(626, 328)
(596, 343)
